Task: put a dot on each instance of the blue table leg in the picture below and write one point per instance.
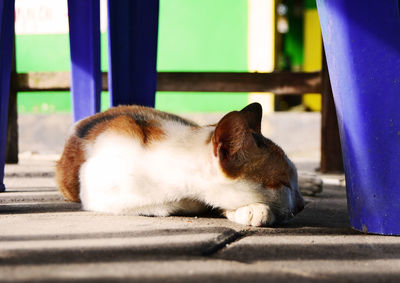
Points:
(132, 31)
(84, 35)
(6, 47)
(362, 44)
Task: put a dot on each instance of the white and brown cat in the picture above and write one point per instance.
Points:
(133, 159)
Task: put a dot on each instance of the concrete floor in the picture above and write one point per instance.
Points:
(45, 239)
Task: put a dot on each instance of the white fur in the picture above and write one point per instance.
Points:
(120, 175)
(260, 214)
(256, 214)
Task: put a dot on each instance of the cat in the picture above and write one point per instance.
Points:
(138, 160)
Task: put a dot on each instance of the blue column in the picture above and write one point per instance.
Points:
(362, 44)
(84, 36)
(132, 31)
(6, 47)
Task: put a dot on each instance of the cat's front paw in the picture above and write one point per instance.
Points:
(256, 214)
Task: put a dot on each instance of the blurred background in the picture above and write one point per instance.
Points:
(194, 35)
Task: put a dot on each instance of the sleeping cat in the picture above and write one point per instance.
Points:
(134, 159)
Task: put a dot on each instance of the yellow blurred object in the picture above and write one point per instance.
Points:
(312, 54)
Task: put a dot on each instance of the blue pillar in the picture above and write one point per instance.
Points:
(132, 31)
(362, 44)
(84, 36)
(6, 47)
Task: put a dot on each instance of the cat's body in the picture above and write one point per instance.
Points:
(138, 160)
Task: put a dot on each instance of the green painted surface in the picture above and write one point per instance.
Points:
(43, 102)
(46, 102)
(42, 53)
(200, 102)
(194, 35)
(204, 35)
(310, 4)
(56, 102)
(49, 53)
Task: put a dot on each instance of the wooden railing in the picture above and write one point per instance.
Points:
(279, 83)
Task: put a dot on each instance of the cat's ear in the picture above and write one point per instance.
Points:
(253, 115)
(231, 140)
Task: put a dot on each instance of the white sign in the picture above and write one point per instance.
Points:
(48, 16)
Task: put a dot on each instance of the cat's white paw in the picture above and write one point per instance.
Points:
(256, 214)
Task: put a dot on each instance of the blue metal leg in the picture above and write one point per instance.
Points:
(362, 43)
(6, 46)
(132, 32)
(84, 36)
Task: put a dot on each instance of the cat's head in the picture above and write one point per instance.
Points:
(245, 154)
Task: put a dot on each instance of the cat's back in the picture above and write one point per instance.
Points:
(139, 121)
(140, 125)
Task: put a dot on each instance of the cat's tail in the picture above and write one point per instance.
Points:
(68, 167)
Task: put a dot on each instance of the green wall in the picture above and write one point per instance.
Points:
(194, 35)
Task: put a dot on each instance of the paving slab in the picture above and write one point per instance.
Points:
(46, 239)
(200, 270)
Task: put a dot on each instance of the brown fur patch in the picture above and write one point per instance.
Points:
(148, 114)
(133, 121)
(145, 131)
(245, 153)
(265, 166)
(67, 169)
(268, 166)
(230, 140)
(132, 116)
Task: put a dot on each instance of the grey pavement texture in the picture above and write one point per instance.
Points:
(46, 239)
